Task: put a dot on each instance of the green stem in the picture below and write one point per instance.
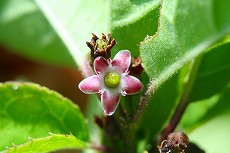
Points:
(184, 101)
(120, 132)
(128, 131)
(129, 140)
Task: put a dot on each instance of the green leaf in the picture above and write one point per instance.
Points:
(209, 88)
(132, 21)
(174, 47)
(187, 29)
(160, 107)
(74, 21)
(213, 74)
(48, 144)
(51, 30)
(192, 118)
(29, 110)
(25, 31)
(213, 136)
(221, 107)
(208, 109)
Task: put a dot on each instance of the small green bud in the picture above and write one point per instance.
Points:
(112, 80)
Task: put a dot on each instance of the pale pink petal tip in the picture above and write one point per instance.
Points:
(131, 85)
(90, 85)
(121, 61)
(110, 102)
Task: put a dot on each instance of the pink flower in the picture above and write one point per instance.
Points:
(111, 80)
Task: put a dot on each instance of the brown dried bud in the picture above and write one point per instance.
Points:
(176, 141)
(101, 47)
(135, 67)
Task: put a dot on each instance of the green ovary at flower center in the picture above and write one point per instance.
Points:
(112, 80)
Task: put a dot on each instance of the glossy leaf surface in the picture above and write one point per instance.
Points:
(30, 111)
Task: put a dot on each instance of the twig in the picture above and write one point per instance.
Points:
(184, 101)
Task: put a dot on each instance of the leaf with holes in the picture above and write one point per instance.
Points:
(183, 35)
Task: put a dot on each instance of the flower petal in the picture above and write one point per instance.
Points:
(91, 84)
(110, 101)
(121, 61)
(130, 85)
(100, 65)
